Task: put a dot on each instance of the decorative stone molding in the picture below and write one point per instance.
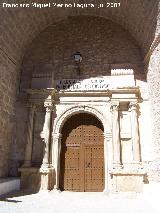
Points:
(50, 91)
(115, 72)
(78, 109)
(48, 106)
(108, 136)
(129, 168)
(42, 75)
(57, 136)
(128, 172)
(122, 78)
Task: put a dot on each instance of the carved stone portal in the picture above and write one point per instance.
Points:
(107, 107)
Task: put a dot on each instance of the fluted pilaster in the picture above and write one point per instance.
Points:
(116, 133)
(29, 138)
(133, 108)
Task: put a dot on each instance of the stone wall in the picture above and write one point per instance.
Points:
(8, 82)
(18, 27)
(154, 79)
(102, 44)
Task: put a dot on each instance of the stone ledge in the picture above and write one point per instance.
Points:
(128, 172)
(29, 169)
(135, 168)
(8, 185)
(36, 169)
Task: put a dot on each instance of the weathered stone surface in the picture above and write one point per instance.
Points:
(18, 28)
(153, 79)
(101, 47)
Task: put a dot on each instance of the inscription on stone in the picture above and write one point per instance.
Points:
(101, 83)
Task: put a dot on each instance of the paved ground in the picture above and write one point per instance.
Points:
(72, 202)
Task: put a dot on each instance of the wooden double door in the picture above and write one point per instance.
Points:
(82, 154)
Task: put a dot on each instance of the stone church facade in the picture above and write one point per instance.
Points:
(90, 124)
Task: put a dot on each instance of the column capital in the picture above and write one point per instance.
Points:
(115, 106)
(57, 136)
(133, 105)
(48, 105)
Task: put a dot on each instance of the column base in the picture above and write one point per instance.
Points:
(106, 192)
(47, 174)
(56, 190)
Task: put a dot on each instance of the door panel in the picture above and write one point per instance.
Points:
(94, 168)
(82, 154)
(72, 173)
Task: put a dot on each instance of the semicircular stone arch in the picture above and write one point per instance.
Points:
(61, 119)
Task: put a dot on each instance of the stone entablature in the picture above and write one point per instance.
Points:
(118, 78)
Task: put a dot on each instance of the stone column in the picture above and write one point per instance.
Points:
(29, 142)
(108, 161)
(46, 133)
(116, 134)
(135, 132)
(56, 157)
